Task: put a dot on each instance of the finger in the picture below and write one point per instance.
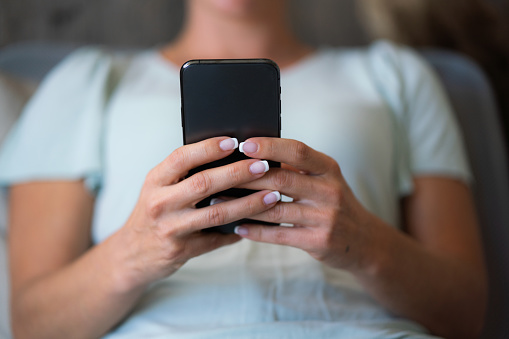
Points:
(208, 182)
(292, 184)
(291, 152)
(279, 235)
(229, 211)
(202, 243)
(185, 158)
(290, 213)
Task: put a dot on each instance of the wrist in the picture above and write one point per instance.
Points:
(373, 251)
(124, 268)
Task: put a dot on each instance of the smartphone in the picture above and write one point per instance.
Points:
(240, 98)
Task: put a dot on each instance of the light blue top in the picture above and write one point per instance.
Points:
(379, 112)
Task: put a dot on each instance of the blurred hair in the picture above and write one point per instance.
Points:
(471, 27)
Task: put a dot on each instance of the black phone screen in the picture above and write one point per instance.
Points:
(236, 98)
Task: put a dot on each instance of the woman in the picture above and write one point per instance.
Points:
(134, 264)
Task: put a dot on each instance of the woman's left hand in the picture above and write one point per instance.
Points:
(329, 222)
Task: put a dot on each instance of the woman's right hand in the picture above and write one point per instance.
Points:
(164, 229)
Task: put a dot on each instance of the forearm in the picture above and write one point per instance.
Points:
(84, 299)
(434, 275)
(447, 296)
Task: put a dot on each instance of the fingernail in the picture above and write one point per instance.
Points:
(259, 167)
(248, 147)
(271, 198)
(229, 144)
(241, 231)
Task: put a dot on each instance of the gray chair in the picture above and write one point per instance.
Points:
(473, 101)
(32, 60)
(476, 111)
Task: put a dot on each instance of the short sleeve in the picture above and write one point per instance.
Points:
(430, 141)
(59, 133)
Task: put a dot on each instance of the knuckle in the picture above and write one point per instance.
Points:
(334, 166)
(322, 242)
(276, 213)
(200, 183)
(176, 253)
(155, 207)
(340, 199)
(169, 232)
(234, 173)
(333, 193)
(330, 217)
(178, 158)
(281, 237)
(271, 149)
(331, 165)
(150, 178)
(251, 207)
(327, 238)
(302, 152)
(326, 217)
(320, 255)
(215, 216)
(282, 179)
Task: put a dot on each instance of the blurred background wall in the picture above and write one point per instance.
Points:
(151, 22)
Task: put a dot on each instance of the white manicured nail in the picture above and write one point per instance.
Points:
(259, 167)
(229, 144)
(249, 147)
(271, 198)
(241, 230)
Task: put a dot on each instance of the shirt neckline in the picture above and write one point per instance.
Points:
(291, 69)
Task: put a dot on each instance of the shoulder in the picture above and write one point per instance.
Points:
(90, 58)
(74, 74)
(386, 52)
(87, 74)
(82, 66)
(399, 66)
(90, 65)
(396, 66)
(419, 100)
(83, 62)
(393, 55)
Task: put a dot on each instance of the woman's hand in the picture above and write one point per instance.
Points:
(329, 222)
(398, 270)
(164, 229)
